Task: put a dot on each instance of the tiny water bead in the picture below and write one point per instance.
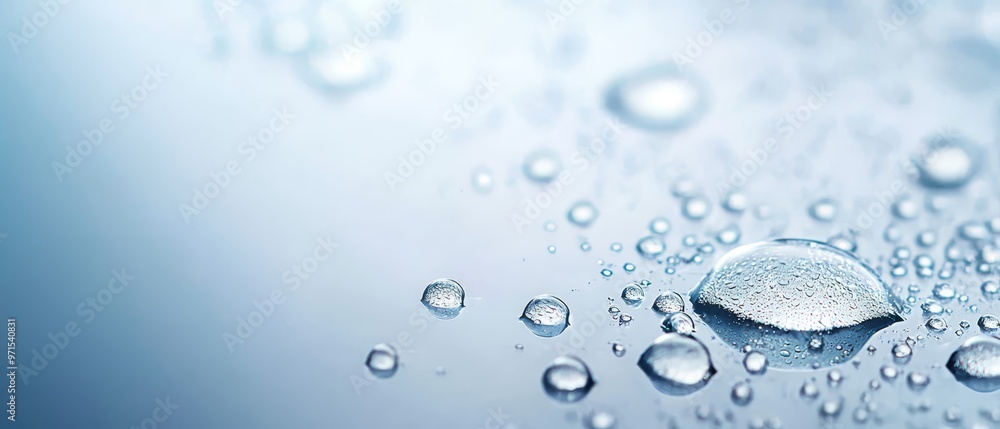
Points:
(936, 324)
(677, 364)
(779, 295)
(482, 180)
(809, 389)
(650, 247)
(730, 234)
(680, 323)
(628, 267)
(888, 372)
(842, 242)
(546, 316)
(659, 225)
(585, 246)
(601, 420)
(444, 298)
(656, 99)
(976, 363)
(582, 214)
(606, 272)
(901, 352)
(549, 226)
(742, 393)
(696, 208)
(551, 249)
(755, 363)
(633, 294)
(926, 238)
(567, 379)
(668, 302)
(618, 349)
(823, 210)
(382, 361)
(542, 166)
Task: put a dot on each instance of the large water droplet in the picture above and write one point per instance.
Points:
(444, 298)
(977, 363)
(546, 316)
(542, 166)
(657, 99)
(567, 379)
(677, 364)
(582, 214)
(778, 295)
(382, 361)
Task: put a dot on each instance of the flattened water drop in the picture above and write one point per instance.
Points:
(677, 364)
(976, 363)
(778, 295)
(546, 316)
(444, 298)
(382, 361)
(567, 379)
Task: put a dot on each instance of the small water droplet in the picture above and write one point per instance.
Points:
(546, 316)
(809, 390)
(680, 323)
(542, 166)
(444, 298)
(936, 324)
(917, 381)
(734, 202)
(823, 210)
(659, 225)
(947, 163)
(482, 180)
(742, 393)
(729, 234)
(696, 208)
(677, 364)
(618, 349)
(582, 214)
(668, 302)
(567, 379)
(989, 323)
(601, 420)
(633, 294)
(657, 99)
(901, 353)
(755, 363)
(606, 272)
(382, 361)
(650, 247)
(888, 372)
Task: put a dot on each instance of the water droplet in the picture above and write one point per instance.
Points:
(567, 379)
(585, 246)
(944, 291)
(741, 394)
(601, 420)
(792, 291)
(657, 99)
(947, 163)
(628, 267)
(659, 225)
(582, 214)
(936, 324)
(906, 208)
(755, 363)
(834, 377)
(823, 210)
(696, 208)
(519, 346)
(625, 319)
(728, 235)
(973, 231)
(549, 226)
(482, 180)
(382, 361)
(989, 323)
(551, 248)
(926, 238)
(606, 272)
(616, 247)
(734, 202)
(650, 247)
(976, 363)
(843, 242)
(618, 349)
(677, 364)
(542, 166)
(901, 353)
(931, 307)
(816, 343)
(546, 316)
(668, 302)
(330, 71)
(809, 390)
(888, 372)
(831, 408)
(444, 298)
(917, 381)
(633, 294)
(680, 323)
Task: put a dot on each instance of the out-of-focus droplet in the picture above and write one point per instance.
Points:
(947, 162)
(680, 323)
(601, 420)
(329, 70)
(901, 353)
(542, 166)
(650, 247)
(657, 99)
(582, 214)
(677, 364)
(742, 393)
(823, 210)
(444, 298)
(546, 316)
(755, 363)
(917, 381)
(659, 225)
(382, 361)
(482, 180)
(843, 242)
(730, 234)
(567, 379)
(735, 202)
(696, 208)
